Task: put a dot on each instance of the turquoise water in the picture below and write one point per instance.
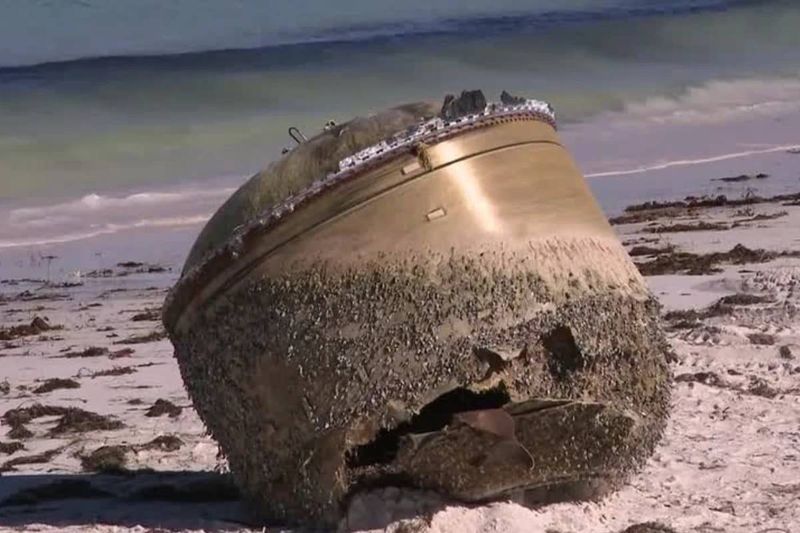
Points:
(144, 114)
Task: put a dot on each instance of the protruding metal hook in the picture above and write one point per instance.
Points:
(297, 135)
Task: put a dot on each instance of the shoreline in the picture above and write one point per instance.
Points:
(649, 162)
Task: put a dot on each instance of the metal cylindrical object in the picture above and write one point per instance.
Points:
(457, 315)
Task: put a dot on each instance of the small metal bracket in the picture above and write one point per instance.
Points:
(297, 135)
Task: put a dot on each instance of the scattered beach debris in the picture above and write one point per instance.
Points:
(637, 251)
(55, 384)
(649, 527)
(9, 448)
(164, 407)
(116, 371)
(19, 433)
(762, 339)
(99, 273)
(711, 379)
(652, 210)
(164, 443)
(679, 228)
(743, 177)
(17, 418)
(106, 459)
(786, 352)
(700, 264)
(62, 489)
(44, 457)
(690, 318)
(759, 218)
(153, 336)
(36, 309)
(124, 352)
(37, 326)
(5, 387)
(72, 419)
(756, 386)
(91, 351)
(126, 269)
(759, 387)
(76, 420)
(147, 315)
(28, 296)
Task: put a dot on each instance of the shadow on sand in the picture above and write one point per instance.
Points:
(162, 500)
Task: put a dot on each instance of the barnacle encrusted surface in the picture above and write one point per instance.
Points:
(295, 375)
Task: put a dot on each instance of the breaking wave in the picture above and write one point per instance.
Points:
(95, 203)
(105, 229)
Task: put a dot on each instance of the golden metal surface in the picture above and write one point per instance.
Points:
(506, 184)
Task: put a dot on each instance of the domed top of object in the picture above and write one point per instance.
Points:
(345, 149)
(310, 160)
(333, 157)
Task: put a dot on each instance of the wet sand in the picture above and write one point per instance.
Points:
(122, 459)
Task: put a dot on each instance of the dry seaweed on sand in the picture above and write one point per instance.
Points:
(711, 379)
(55, 384)
(759, 218)
(786, 352)
(682, 228)
(742, 177)
(91, 351)
(73, 419)
(648, 527)
(19, 433)
(147, 315)
(166, 443)
(106, 459)
(652, 210)
(22, 415)
(77, 420)
(702, 264)
(153, 336)
(125, 352)
(756, 386)
(9, 448)
(637, 251)
(688, 318)
(44, 457)
(28, 296)
(116, 371)
(164, 407)
(762, 339)
(37, 326)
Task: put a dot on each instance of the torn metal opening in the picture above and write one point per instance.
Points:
(434, 416)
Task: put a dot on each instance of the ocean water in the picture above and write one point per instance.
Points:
(137, 115)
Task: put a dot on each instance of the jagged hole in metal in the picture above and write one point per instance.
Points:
(434, 416)
(564, 356)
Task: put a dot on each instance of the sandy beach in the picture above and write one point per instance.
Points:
(98, 433)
